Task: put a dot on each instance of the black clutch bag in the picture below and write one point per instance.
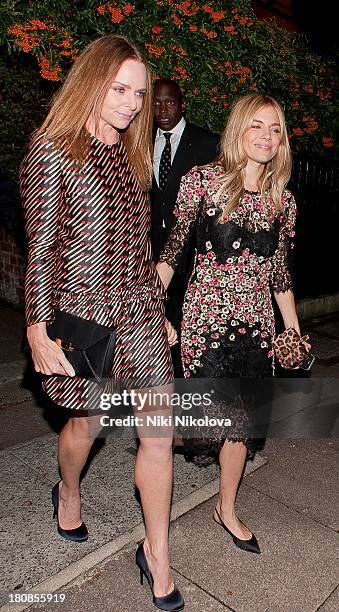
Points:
(88, 346)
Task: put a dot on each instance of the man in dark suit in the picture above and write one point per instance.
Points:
(178, 147)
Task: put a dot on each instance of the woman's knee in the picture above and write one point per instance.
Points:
(85, 427)
(157, 446)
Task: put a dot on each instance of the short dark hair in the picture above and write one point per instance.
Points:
(170, 83)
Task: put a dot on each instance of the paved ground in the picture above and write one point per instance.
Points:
(288, 497)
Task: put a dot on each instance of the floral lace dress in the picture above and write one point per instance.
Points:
(228, 319)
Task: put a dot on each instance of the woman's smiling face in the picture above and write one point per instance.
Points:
(262, 139)
(125, 97)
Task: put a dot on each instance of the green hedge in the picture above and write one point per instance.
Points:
(216, 50)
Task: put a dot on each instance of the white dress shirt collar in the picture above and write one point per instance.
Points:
(176, 131)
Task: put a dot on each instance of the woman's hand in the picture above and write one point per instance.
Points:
(171, 333)
(307, 345)
(165, 272)
(48, 358)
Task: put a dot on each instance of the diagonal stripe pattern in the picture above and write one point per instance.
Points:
(89, 251)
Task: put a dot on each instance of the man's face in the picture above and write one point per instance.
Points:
(168, 107)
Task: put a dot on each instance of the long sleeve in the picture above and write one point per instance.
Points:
(40, 185)
(186, 212)
(280, 275)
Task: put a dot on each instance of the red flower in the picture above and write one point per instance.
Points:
(128, 9)
(49, 72)
(328, 142)
(117, 15)
(157, 51)
(187, 8)
(218, 16)
(157, 29)
(209, 33)
(176, 20)
(38, 24)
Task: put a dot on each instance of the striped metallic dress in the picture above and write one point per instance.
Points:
(89, 254)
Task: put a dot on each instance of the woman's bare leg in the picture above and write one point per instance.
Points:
(153, 478)
(232, 460)
(75, 441)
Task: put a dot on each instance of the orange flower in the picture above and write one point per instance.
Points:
(245, 21)
(64, 43)
(128, 9)
(38, 24)
(157, 29)
(187, 8)
(243, 72)
(193, 28)
(218, 16)
(182, 71)
(297, 132)
(157, 51)
(231, 30)
(49, 72)
(176, 20)
(312, 124)
(117, 15)
(323, 94)
(215, 15)
(328, 142)
(25, 37)
(179, 50)
(68, 53)
(209, 33)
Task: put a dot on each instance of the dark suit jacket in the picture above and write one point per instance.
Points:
(197, 147)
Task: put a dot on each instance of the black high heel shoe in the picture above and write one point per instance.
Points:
(173, 601)
(79, 534)
(250, 545)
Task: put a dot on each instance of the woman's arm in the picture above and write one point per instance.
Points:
(286, 304)
(280, 275)
(40, 184)
(165, 272)
(186, 212)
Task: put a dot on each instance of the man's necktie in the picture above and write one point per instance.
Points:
(165, 161)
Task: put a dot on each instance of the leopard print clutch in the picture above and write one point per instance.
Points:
(290, 349)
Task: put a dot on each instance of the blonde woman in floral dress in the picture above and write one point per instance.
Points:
(243, 218)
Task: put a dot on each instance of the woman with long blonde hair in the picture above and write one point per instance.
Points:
(243, 218)
(84, 189)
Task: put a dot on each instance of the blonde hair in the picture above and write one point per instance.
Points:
(277, 171)
(84, 92)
